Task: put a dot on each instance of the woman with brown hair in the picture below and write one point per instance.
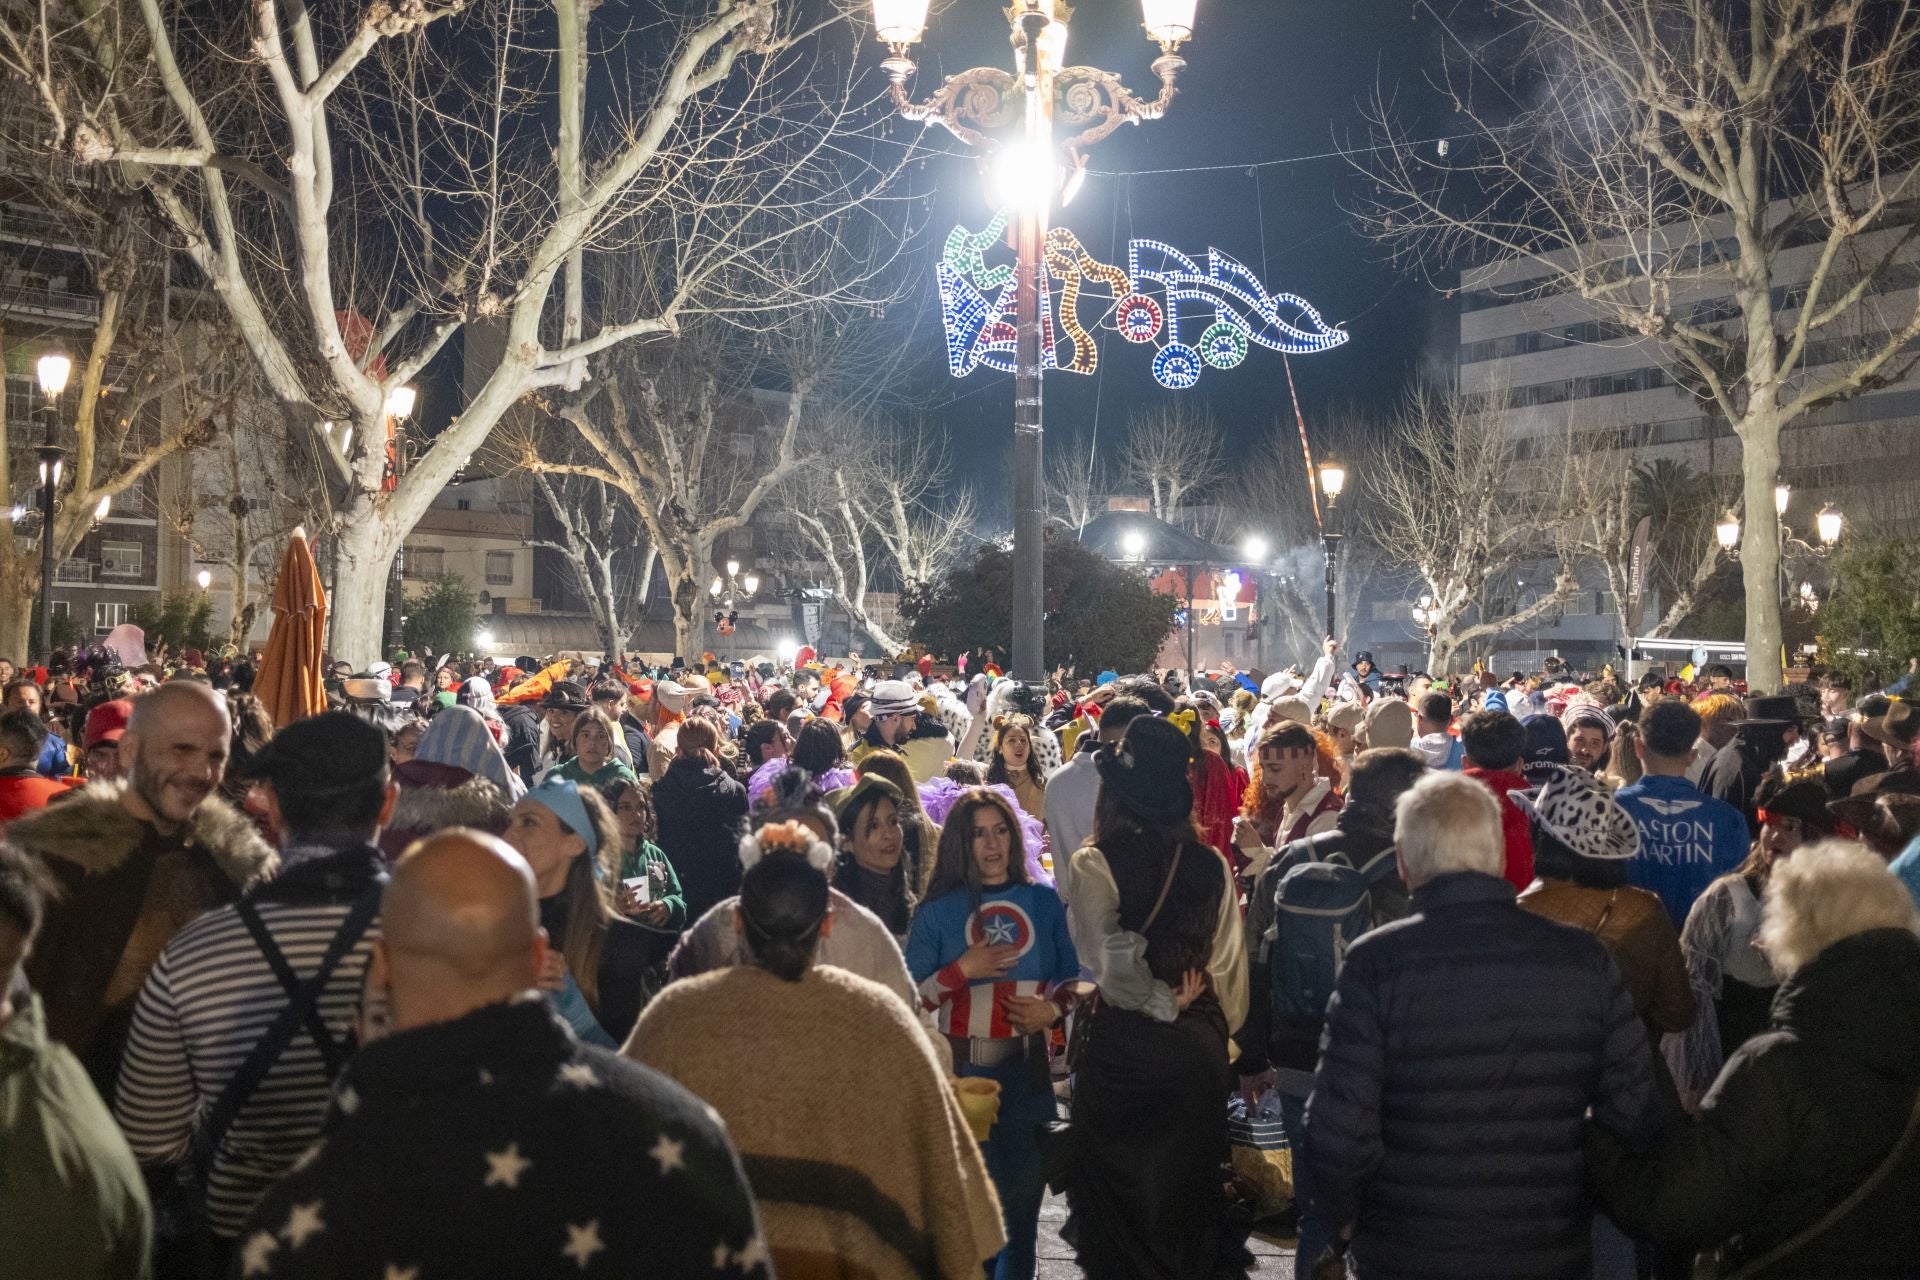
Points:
(1015, 765)
(921, 833)
(990, 950)
(1155, 919)
(599, 962)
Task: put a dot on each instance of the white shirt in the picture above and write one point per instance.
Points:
(1071, 793)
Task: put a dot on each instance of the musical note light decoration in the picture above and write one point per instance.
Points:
(977, 308)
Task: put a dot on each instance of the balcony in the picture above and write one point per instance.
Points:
(75, 572)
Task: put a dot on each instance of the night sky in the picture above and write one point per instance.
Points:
(1265, 82)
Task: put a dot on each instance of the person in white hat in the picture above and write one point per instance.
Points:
(670, 703)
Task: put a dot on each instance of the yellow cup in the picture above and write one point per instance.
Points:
(979, 1102)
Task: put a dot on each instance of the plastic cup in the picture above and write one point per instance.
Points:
(979, 1102)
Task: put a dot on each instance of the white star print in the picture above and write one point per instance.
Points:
(752, 1255)
(253, 1257)
(402, 1273)
(1000, 931)
(348, 1101)
(304, 1221)
(583, 1242)
(580, 1075)
(668, 1153)
(505, 1167)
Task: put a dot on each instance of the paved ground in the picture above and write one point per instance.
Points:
(1056, 1259)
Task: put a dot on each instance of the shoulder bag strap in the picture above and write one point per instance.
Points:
(1165, 888)
(1801, 1238)
(300, 1008)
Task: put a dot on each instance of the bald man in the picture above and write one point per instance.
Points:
(136, 861)
(479, 1137)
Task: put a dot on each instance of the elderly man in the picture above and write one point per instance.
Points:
(481, 1138)
(1464, 1046)
(136, 862)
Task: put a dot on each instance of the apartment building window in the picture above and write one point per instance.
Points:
(107, 615)
(499, 568)
(121, 559)
(62, 608)
(426, 562)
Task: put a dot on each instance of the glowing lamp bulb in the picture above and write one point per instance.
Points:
(204, 578)
(483, 639)
(1134, 543)
(751, 583)
(1828, 522)
(106, 505)
(1728, 531)
(1024, 176)
(400, 402)
(1257, 549)
(900, 21)
(53, 369)
(1782, 494)
(1168, 22)
(1333, 479)
(715, 589)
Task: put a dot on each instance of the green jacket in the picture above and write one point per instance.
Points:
(640, 861)
(602, 781)
(71, 1196)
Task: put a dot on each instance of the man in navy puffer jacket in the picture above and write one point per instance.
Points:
(1463, 1047)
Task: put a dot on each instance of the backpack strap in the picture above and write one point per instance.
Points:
(302, 1007)
(1166, 887)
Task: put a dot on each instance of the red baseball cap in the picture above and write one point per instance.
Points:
(108, 722)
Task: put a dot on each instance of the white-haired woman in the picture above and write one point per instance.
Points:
(1804, 1159)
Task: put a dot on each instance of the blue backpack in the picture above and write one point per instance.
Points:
(1320, 908)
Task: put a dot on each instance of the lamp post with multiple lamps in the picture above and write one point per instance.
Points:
(1010, 118)
(1426, 616)
(1333, 482)
(1828, 525)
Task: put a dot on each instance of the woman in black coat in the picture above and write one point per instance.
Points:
(1808, 1112)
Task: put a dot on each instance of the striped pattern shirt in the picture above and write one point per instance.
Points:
(211, 996)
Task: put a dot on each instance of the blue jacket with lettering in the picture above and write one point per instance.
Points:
(1687, 840)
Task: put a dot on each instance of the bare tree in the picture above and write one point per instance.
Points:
(876, 504)
(138, 394)
(256, 482)
(1613, 494)
(1173, 452)
(1460, 509)
(362, 188)
(599, 542)
(1077, 487)
(1679, 158)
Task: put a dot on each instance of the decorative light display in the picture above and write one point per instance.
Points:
(978, 307)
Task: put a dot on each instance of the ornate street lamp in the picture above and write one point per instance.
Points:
(727, 593)
(1333, 482)
(1828, 522)
(1727, 532)
(51, 372)
(1009, 117)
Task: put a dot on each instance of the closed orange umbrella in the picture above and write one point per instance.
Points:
(289, 681)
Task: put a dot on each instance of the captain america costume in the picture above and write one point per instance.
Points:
(1025, 915)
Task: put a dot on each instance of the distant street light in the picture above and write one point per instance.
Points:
(204, 578)
(1134, 543)
(1256, 549)
(1333, 481)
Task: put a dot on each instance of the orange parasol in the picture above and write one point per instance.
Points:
(289, 680)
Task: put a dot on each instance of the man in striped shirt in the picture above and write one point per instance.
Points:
(223, 1071)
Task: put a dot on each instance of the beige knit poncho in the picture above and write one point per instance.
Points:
(860, 1160)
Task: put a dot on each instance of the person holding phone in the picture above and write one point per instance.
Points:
(649, 891)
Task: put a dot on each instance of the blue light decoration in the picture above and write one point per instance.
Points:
(977, 307)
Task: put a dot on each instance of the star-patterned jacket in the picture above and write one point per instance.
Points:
(499, 1145)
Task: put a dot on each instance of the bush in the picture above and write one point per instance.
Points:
(1869, 625)
(440, 619)
(1099, 614)
(179, 619)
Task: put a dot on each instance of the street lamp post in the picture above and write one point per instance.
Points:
(51, 371)
(1426, 616)
(726, 595)
(1257, 549)
(1333, 480)
(974, 106)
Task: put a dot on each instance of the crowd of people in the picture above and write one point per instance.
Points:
(831, 969)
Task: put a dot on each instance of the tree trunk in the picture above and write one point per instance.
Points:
(1760, 551)
(689, 618)
(18, 582)
(366, 547)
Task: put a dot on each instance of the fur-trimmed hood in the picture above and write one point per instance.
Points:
(93, 831)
